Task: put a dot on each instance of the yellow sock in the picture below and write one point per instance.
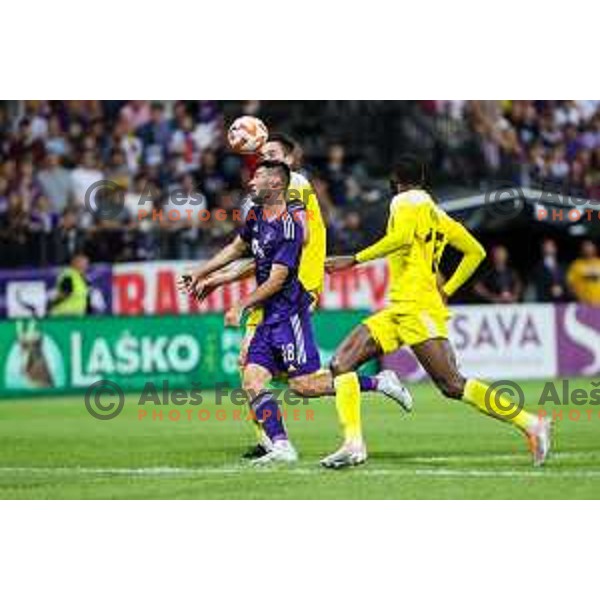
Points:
(256, 426)
(347, 403)
(496, 404)
(258, 430)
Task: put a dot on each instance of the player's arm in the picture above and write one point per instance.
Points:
(192, 281)
(263, 292)
(237, 271)
(302, 219)
(400, 233)
(473, 253)
(274, 284)
(286, 258)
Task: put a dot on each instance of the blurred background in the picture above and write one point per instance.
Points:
(52, 151)
(512, 171)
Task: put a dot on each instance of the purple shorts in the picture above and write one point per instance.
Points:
(286, 347)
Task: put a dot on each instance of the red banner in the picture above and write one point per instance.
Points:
(150, 288)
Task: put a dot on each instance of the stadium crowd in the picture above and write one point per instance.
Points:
(528, 142)
(174, 155)
(166, 155)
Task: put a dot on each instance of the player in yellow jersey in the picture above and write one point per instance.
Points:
(417, 316)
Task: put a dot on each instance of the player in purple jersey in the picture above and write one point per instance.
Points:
(273, 233)
(286, 344)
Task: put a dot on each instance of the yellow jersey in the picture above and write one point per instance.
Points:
(312, 262)
(584, 279)
(417, 233)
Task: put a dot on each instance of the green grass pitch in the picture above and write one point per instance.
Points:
(52, 448)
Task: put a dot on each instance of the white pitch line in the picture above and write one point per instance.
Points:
(403, 468)
(167, 471)
(490, 458)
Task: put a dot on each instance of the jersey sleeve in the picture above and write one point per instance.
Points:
(291, 241)
(245, 231)
(299, 214)
(463, 241)
(400, 232)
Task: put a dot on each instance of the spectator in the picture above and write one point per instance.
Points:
(56, 141)
(43, 222)
(113, 230)
(221, 230)
(185, 146)
(136, 114)
(25, 144)
(83, 176)
(124, 140)
(14, 233)
(351, 234)
(118, 171)
(185, 214)
(155, 136)
(70, 238)
(55, 182)
(210, 126)
(27, 185)
(71, 295)
(3, 194)
(336, 174)
(549, 275)
(211, 180)
(583, 276)
(501, 284)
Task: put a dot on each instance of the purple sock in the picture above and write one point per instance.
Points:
(367, 383)
(268, 414)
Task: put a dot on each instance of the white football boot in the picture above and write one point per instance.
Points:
(349, 455)
(389, 384)
(282, 451)
(539, 437)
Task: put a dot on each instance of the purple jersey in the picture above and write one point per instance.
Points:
(280, 241)
(286, 347)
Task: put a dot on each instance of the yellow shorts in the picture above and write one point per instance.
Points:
(392, 329)
(254, 318)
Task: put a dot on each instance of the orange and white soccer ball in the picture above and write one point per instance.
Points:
(247, 135)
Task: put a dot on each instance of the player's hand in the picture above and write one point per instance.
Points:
(337, 263)
(233, 316)
(184, 283)
(196, 287)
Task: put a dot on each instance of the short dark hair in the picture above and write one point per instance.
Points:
(409, 170)
(283, 169)
(288, 143)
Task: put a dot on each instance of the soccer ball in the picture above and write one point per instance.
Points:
(247, 135)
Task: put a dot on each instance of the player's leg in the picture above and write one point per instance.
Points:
(263, 444)
(262, 364)
(438, 359)
(321, 382)
(356, 349)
